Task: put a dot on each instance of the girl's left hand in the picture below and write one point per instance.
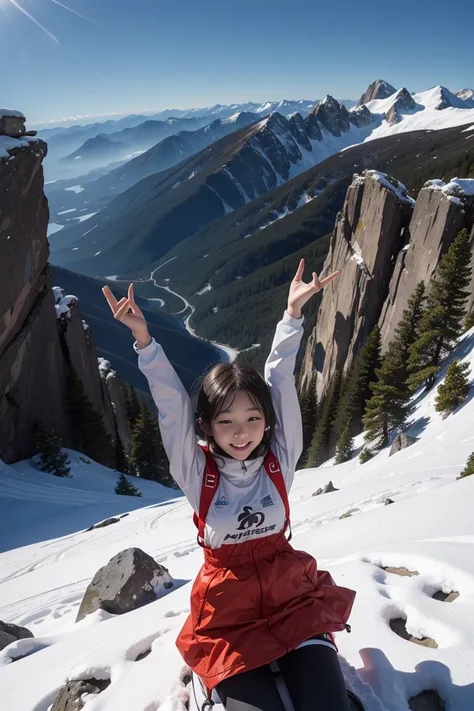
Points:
(300, 292)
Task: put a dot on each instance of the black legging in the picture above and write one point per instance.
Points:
(313, 677)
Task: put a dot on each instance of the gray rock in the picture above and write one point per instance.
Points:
(436, 221)
(389, 501)
(333, 116)
(366, 239)
(71, 696)
(379, 89)
(326, 489)
(403, 102)
(10, 633)
(103, 524)
(127, 582)
(6, 639)
(401, 441)
(360, 116)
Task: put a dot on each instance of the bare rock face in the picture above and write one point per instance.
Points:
(403, 102)
(31, 366)
(377, 90)
(360, 116)
(332, 116)
(130, 580)
(437, 218)
(112, 399)
(73, 695)
(365, 241)
(10, 633)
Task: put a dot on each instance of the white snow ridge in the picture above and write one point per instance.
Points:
(411, 563)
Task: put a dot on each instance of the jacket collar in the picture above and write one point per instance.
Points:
(238, 473)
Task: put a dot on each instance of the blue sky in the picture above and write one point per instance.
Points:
(135, 55)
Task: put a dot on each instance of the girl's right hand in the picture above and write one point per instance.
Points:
(127, 312)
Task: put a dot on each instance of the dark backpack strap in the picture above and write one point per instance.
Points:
(210, 482)
(272, 467)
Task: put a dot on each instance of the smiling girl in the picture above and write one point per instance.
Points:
(256, 600)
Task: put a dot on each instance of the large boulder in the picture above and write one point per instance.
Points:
(326, 489)
(73, 695)
(10, 633)
(131, 579)
(366, 239)
(401, 441)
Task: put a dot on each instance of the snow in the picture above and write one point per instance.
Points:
(455, 188)
(11, 113)
(7, 144)
(425, 116)
(399, 189)
(75, 189)
(49, 561)
(63, 302)
(64, 212)
(205, 288)
(54, 227)
(83, 218)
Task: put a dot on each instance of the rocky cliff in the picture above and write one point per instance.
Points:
(383, 244)
(379, 89)
(41, 333)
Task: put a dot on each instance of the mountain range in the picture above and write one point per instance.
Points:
(157, 209)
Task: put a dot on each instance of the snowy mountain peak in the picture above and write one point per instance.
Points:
(379, 89)
(332, 116)
(447, 99)
(467, 95)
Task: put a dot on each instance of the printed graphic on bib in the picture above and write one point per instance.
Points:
(250, 524)
(250, 518)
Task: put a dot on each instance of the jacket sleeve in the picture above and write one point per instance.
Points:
(279, 375)
(176, 420)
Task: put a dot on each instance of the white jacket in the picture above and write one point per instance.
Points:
(242, 484)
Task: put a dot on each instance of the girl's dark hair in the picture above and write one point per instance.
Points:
(223, 382)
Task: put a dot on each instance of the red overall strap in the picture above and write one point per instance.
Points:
(273, 470)
(209, 486)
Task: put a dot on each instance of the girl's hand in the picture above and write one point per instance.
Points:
(300, 292)
(127, 312)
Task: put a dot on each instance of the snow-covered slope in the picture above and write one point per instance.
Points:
(428, 529)
(427, 113)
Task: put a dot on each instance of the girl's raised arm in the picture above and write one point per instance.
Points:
(279, 372)
(176, 419)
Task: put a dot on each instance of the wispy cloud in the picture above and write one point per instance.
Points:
(34, 20)
(74, 12)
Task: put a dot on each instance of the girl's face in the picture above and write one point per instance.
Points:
(239, 427)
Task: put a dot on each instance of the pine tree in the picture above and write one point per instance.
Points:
(441, 324)
(345, 445)
(147, 456)
(320, 448)
(309, 411)
(365, 455)
(469, 320)
(132, 404)
(469, 468)
(356, 387)
(90, 432)
(48, 446)
(125, 488)
(455, 388)
(389, 406)
(121, 459)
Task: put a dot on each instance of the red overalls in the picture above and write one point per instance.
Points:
(253, 602)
